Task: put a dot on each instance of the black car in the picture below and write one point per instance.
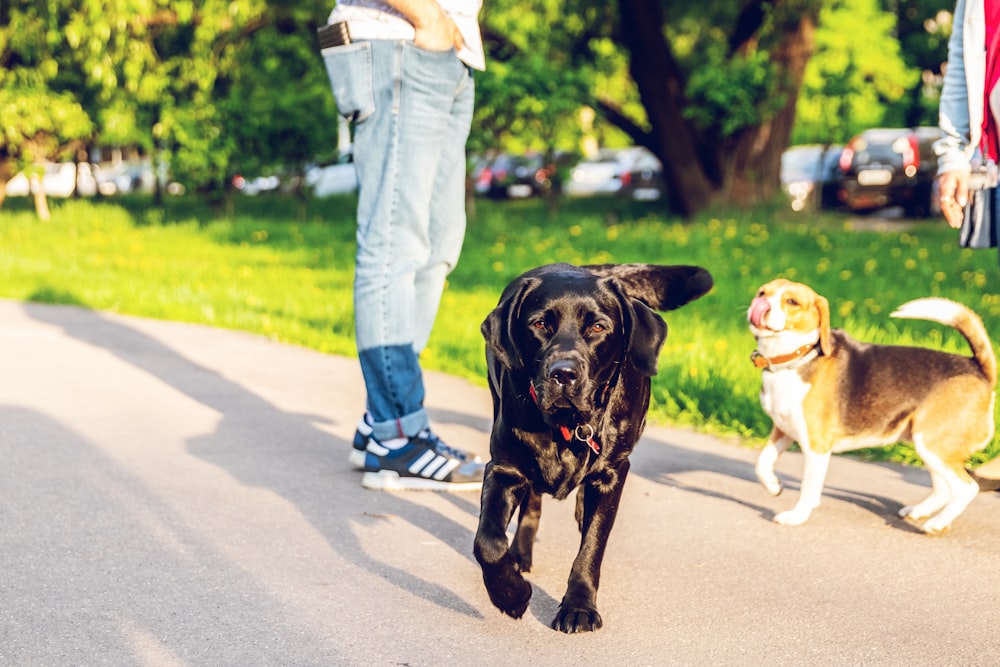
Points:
(811, 177)
(891, 167)
(513, 176)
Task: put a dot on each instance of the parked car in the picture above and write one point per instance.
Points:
(339, 178)
(513, 176)
(257, 185)
(58, 180)
(126, 176)
(891, 167)
(811, 176)
(632, 172)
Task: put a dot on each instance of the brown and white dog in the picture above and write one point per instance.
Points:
(831, 393)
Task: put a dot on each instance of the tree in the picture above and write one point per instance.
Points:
(862, 76)
(279, 107)
(710, 87)
(39, 123)
(721, 108)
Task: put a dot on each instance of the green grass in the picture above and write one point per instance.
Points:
(263, 272)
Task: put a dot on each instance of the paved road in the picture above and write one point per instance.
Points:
(179, 495)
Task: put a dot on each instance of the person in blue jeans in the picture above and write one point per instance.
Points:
(404, 78)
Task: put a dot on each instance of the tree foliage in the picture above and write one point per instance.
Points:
(716, 89)
(40, 122)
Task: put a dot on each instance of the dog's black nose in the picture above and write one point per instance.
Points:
(563, 372)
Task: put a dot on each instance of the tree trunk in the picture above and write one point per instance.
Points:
(661, 88)
(41, 201)
(754, 174)
(699, 169)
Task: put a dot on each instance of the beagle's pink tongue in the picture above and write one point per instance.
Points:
(759, 308)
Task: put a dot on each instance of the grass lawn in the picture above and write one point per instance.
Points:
(264, 272)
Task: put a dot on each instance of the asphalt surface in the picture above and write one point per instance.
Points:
(180, 495)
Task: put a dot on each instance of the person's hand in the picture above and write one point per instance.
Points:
(439, 33)
(954, 190)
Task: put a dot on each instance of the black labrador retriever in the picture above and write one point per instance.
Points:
(570, 352)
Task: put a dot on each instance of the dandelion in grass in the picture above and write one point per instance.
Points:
(498, 267)
(575, 230)
(845, 309)
(910, 264)
(612, 233)
(823, 265)
(870, 266)
(846, 275)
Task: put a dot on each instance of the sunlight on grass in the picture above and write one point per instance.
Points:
(266, 273)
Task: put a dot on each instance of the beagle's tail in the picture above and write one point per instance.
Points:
(961, 318)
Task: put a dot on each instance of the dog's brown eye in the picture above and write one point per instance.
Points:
(538, 324)
(791, 302)
(597, 328)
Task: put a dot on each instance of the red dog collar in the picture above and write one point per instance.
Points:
(581, 432)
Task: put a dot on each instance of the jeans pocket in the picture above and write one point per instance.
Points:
(350, 70)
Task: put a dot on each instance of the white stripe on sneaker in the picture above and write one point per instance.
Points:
(447, 468)
(432, 467)
(376, 448)
(418, 465)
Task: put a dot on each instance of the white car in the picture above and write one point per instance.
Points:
(630, 172)
(57, 180)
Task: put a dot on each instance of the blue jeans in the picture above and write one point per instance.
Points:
(412, 110)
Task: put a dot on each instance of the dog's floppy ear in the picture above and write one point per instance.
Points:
(499, 326)
(646, 338)
(645, 330)
(659, 287)
(823, 306)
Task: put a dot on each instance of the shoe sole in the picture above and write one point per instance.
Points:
(388, 480)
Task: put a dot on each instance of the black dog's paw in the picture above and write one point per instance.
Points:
(577, 619)
(509, 592)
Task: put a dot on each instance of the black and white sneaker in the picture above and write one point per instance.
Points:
(424, 463)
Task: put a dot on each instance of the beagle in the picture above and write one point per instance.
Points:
(831, 393)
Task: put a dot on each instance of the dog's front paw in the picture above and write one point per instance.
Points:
(793, 517)
(577, 618)
(770, 482)
(509, 591)
(933, 526)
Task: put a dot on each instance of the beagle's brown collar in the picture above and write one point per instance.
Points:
(760, 361)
